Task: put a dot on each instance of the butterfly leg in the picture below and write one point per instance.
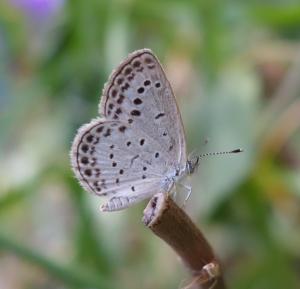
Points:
(170, 194)
(188, 190)
(174, 194)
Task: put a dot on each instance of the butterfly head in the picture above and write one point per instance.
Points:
(192, 164)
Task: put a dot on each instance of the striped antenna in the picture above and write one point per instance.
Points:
(221, 153)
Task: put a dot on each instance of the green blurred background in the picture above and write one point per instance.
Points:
(235, 70)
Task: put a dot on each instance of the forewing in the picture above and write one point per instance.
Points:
(138, 93)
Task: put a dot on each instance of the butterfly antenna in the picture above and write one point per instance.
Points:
(221, 153)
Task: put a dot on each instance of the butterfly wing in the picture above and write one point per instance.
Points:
(138, 93)
(127, 153)
(107, 160)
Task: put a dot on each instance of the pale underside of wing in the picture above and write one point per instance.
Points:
(128, 152)
(108, 159)
(139, 93)
(125, 199)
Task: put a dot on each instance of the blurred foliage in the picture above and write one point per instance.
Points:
(235, 68)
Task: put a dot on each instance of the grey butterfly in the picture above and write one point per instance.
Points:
(137, 148)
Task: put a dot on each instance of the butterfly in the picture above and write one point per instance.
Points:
(137, 148)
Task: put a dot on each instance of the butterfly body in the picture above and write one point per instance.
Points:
(137, 147)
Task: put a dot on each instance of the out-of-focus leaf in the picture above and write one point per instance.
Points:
(89, 248)
(77, 277)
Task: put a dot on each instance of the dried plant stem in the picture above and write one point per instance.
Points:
(172, 224)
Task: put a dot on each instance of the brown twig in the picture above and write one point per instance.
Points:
(172, 224)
